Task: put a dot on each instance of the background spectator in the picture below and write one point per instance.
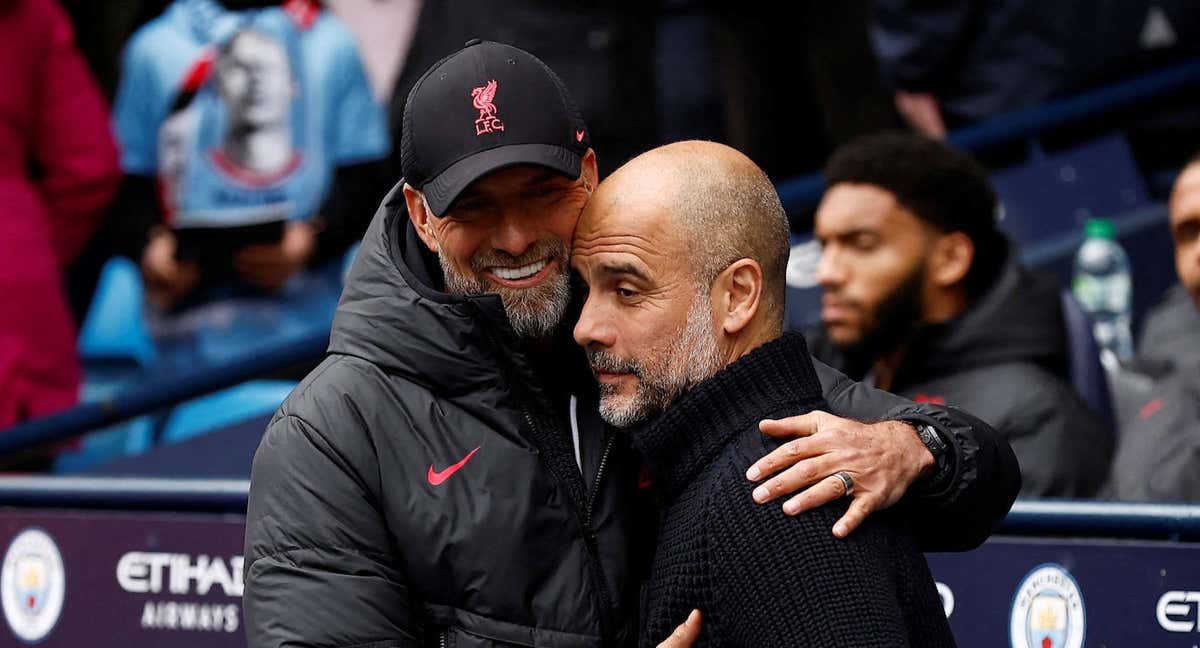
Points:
(1159, 453)
(58, 173)
(956, 62)
(961, 61)
(1170, 335)
(794, 88)
(922, 297)
(236, 117)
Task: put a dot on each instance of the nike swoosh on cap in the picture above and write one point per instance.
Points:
(437, 477)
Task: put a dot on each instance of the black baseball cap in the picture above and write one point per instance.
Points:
(487, 107)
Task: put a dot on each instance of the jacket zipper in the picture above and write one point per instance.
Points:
(591, 543)
(511, 374)
(442, 638)
(591, 502)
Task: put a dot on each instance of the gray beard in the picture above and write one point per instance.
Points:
(692, 358)
(532, 312)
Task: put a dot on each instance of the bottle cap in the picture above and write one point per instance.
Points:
(1099, 228)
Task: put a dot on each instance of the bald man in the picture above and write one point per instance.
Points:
(1159, 455)
(683, 252)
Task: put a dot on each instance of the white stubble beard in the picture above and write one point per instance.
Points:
(693, 356)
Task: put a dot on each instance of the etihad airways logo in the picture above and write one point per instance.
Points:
(143, 572)
(1179, 611)
(177, 574)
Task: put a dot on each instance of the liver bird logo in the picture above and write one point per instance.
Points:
(483, 98)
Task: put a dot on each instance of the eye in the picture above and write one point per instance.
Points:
(864, 242)
(547, 193)
(1187, 232)
(468, 204)
(626, 293)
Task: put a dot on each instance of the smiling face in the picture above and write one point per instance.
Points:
(508, 234)
(648, 324)
(1185, 229)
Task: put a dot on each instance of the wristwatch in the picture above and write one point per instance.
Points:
(936, 446)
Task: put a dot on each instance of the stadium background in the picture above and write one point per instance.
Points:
(140, 486)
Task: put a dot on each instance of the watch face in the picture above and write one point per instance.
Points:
(929, 437)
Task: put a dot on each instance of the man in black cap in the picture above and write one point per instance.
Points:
(444, 477)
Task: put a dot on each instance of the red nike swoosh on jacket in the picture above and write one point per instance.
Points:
(436, 478)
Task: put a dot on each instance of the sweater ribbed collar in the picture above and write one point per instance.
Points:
(774, 379)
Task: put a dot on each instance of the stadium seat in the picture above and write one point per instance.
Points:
(1051, 196)
(115, 348)
(1083, 361)
(121, 440)
(114, 329)
(225, 408)
(802, 296)
(124, 439)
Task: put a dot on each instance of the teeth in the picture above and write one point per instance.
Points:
(523, 272)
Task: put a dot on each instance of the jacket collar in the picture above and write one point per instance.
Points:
(776, 378)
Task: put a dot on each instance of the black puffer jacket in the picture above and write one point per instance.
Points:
(422, 485)
(360, 529)
(1005, 360)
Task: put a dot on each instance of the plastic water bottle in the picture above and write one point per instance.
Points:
(1104, 288)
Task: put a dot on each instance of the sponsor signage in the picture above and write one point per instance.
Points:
(120, 579)
(129, 579)
(1062, 593)
(32, 585)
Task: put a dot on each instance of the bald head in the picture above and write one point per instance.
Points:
(715, 205)
(682, 252)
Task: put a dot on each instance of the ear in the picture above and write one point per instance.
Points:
(951, 259)
(588, 171)
(419, 215)
(737, 295)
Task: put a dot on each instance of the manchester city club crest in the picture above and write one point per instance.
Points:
(1047, 610)
(32, 585)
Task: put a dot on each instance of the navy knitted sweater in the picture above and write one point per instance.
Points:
(762, 578)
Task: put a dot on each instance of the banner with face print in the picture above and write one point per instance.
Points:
(242, 116)
(232, 152)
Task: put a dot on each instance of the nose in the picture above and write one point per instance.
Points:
(515, 232)
(594, 328)
(831, 272)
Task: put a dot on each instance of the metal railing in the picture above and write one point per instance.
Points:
(1046, 517)
(804, 192)
(155, 395)
(125, 493)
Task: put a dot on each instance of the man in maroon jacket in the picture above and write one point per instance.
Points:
(58, 170)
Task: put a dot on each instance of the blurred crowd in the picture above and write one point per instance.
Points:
(231, 147)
